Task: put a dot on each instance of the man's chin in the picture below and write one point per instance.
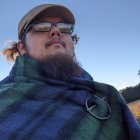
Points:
(59, 52)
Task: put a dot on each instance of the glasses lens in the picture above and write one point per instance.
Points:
(46, 26)
(42, 27)
(65, 28)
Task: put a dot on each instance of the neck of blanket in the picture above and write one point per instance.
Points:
(33, 69)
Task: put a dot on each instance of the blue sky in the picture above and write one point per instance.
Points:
(109, 30)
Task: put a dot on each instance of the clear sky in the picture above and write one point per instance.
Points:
(109, 30)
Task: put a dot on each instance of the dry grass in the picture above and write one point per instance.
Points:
(135, 108)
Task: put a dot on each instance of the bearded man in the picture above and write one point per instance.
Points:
(48, 95)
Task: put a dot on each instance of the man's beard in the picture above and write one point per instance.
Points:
(63, 66)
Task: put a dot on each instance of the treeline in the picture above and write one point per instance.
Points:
(131, 93)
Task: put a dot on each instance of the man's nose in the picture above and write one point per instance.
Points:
(55, 32)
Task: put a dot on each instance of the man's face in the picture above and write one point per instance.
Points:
(38, 44)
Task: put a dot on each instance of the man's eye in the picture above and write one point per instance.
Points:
(41, 27)
(65, 29)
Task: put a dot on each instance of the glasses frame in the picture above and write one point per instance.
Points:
(52, 24)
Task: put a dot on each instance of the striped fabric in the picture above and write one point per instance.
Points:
(34, 105)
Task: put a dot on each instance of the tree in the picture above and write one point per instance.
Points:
(139, 72)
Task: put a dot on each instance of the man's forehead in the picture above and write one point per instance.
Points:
(50, 19)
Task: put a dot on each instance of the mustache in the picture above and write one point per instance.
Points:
(54, 41)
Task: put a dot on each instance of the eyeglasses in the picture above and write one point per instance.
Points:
(47, 26)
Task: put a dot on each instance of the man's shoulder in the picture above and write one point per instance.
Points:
(106, 88)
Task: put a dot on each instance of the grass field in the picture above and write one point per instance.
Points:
(135, 108)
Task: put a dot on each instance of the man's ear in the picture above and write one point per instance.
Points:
(21, 47)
